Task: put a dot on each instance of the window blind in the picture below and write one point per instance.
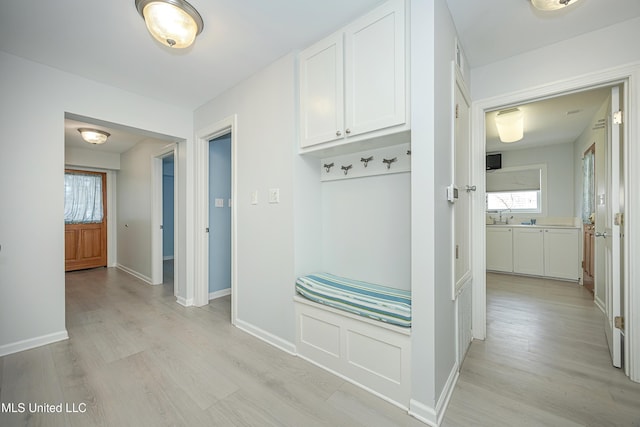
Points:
(521, 180)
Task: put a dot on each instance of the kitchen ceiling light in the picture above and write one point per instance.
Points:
(510, 124)
(94, 136)
(174, 23)
(551, 4)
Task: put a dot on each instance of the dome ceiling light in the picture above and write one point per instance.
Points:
(552, 4)
(174, 23)
(94, 136)
(510, 124)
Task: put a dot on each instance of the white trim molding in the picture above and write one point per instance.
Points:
(267, 337)
(219, 294)
(630, 76)
(33, 343)
(135, 274)
(201, 211)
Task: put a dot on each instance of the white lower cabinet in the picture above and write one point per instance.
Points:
(561, 253)
(535, 251)
(528, 251)
(499, 249)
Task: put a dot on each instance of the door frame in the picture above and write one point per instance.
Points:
(628, 75)
(225, 126)
(157, 265)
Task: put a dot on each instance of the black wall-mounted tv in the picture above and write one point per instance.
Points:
(494, 161)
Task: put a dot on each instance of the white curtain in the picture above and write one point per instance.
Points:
(82, 198)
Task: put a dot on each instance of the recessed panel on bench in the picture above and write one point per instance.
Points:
(381, 358)
(322, 335)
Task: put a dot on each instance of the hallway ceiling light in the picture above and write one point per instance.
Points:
(510, 124)
(94, 136)
(551, 4)
(174, 23)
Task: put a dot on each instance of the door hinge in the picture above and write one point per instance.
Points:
(457, 251)
(206, 230)
(162, 227)
(619, 322)
(617, 117)
(618, 219)
(457, 110)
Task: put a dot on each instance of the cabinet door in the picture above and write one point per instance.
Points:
(375, 70)
(528, 250)
(499, 249)
(322, 92)
(561, 258)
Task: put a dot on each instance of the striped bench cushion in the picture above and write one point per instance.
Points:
(365, 299)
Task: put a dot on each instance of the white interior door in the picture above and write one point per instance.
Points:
(610, 236)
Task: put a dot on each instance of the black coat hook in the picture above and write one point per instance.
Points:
(346, 169)
(328, 167)
(389, 161)
(366, 161)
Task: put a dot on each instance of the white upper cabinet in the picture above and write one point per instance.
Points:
(353, 85)
(321, 92)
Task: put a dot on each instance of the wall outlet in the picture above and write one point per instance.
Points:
(254, 197)
(219, 203)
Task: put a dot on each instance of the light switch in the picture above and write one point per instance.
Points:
(219, 203)
(254, 197)
(274, 195)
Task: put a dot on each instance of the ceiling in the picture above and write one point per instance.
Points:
(107, 41)
(551, 121)
(492, 30)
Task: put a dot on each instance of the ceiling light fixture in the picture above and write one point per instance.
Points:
(174, 23)
(551, 4)
(94, 136)
(510, 124)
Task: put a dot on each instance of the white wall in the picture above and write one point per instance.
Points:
(74, 156)
(366, 229)
(609, 47)
(35, 97)
(264, 105)
(134, 208)
(433, 331)
(560, 175)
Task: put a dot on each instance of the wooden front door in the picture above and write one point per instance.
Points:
(85, 244)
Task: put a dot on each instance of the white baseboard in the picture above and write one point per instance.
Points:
(184, 302)
(431, 416)
(33, 343)
(447, 391)
(219, 294)
(167, 258)
(267, 337)
(424, 413)
(135, 274)
(600, 304)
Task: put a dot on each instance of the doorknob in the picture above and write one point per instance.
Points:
(470, 188)
(604, 234)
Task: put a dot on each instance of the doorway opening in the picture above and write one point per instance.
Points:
(544, 214)
(216, 214)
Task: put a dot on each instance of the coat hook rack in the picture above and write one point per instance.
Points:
(346, 169)
(328, 166)
(366, 161)
(389, 161)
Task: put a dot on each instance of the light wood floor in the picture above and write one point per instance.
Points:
(545, 362)
(136, 358)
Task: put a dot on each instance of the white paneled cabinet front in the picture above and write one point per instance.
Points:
(353, 84)
(528, 251)
(499, 249)
(561, 253)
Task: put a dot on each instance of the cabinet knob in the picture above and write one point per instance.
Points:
(338, 133)
(348, 131)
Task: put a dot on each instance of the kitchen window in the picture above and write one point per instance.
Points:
(519, 189)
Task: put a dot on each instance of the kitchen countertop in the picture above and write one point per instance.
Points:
(533, 226)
